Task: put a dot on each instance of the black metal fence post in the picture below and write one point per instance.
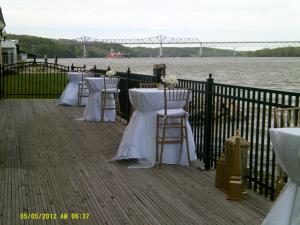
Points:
(208, 123)
(127, 99)
(46, 61)
(1, 91)
(159, 70)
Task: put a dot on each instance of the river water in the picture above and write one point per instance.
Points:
(278, 73)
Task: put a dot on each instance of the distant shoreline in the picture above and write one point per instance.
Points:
(42, 59)
(67, 49)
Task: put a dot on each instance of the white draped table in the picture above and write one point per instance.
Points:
(70, 94)
(139, 137)
(92, 111)
(286, 209)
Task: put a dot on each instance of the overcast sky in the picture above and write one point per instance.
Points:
(209, 20)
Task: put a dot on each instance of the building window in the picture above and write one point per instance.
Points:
(11, 57)
(5, 57)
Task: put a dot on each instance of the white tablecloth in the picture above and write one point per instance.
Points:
(70, 94)
(92, 111)
(286, 209)
(139, 139)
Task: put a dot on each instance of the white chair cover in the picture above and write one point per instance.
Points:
(139, 137)
(92, 111)
(286, 209)
(70, 94)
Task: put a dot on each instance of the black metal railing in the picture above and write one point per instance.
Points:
(197, 113)
(217, 111)
(251, 110)
(36, 79)
(32, 80)
(130, 80)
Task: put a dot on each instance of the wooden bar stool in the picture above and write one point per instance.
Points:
(110, 89)
(173, 116)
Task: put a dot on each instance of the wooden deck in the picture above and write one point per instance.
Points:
(52, 163)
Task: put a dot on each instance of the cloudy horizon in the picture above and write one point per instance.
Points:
(209, 21)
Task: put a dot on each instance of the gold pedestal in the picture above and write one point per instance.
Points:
(235, 188)
(231, 168)
(220, 171)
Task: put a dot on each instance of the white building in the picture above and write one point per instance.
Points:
(2, 26)
(9, 51)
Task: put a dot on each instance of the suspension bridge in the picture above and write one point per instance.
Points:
(161, 40)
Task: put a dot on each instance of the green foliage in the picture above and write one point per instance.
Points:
(64, 48)
(275, 52)
(42, 46)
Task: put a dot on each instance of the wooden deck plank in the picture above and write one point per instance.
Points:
(62, 175)
(79, 181)
(52, 163)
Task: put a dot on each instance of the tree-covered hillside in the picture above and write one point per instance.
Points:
(64, 48)
(275, 52)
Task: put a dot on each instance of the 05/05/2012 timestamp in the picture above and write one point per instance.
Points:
(54, 216)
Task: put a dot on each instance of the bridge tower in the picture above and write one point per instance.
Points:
(84, 54)
(160, 39)
(200, 50)
(161, 50)
(234, 52)
(84, 41)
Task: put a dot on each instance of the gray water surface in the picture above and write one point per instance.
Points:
(279, 73)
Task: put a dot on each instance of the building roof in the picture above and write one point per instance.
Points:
(9, 44)
(1, 17)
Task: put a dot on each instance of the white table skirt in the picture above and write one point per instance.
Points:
(92, 111)
(139, 139)
(286, 209)
(70, 94)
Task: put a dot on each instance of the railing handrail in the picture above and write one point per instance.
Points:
(30, 63)
(259, 89)
(1, 88)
